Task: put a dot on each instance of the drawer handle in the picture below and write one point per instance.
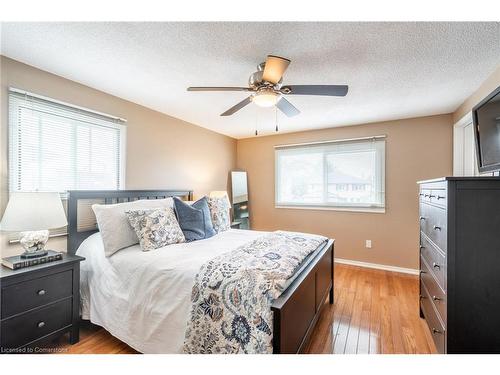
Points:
(426, 195)
(440, 197)
(432, 196)
(435, 265)
(437, 227)
(434, 330)
(41, 292)
(422, 247)
(422, 271)
(422, 297)
(421, 194)
(41, 324)
(435, 298)
(422, 217)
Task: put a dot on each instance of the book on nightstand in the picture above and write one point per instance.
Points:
(16, 262)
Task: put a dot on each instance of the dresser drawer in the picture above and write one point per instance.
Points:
(437, 295)
(29, 294)
(438, 332)
(424, 195)
(22, 329)
(435, 259)
(433, 224)
(438, 197)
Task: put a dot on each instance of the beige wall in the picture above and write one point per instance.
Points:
(162, 151)
(416, 149)
(484, 90)
(165, 152)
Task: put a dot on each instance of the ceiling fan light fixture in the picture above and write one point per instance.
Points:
(265, 98)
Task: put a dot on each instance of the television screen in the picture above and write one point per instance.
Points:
(486, 116)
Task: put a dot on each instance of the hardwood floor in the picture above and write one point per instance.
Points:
(374, 312)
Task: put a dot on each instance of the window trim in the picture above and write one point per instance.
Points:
(66, 104)
(365, 209)
(350, 207)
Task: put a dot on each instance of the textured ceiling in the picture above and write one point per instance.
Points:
(394, 70)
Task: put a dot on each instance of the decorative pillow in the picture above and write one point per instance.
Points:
(155, 228)
(113, 224)
(219, 212)
(194, 219)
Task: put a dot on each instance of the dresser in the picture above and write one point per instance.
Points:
(460, 263)
(38, 304)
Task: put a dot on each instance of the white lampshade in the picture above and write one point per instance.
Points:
(33, 211)
(220, 194)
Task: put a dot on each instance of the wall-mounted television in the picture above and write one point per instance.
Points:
(486, 118)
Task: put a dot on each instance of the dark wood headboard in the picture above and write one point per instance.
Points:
(76, 237)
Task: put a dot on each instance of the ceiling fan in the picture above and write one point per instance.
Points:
(267, 91)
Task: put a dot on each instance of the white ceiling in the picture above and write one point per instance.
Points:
(394, 70)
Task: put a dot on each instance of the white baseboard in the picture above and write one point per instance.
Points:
(384, 267)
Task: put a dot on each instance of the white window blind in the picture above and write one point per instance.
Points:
(344, 174)
(57, 147)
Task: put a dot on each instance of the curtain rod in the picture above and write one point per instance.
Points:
(375, 137)
(46, 98)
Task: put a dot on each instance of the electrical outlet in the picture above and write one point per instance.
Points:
(368, 244)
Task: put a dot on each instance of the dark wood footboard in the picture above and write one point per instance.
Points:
(297, 310)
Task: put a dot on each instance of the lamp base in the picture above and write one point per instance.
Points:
(34, 254)
(33, 243)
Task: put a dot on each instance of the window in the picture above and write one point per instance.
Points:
(337, 174)
(57, 147)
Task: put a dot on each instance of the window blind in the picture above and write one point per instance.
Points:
(54, 146)
(344, 174)
(57, 147)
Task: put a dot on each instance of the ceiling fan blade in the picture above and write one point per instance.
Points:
(326, 90)
(237, 107)
(219, 89)
(287, 108)
(274, 69)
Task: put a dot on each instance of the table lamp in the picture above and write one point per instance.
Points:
(33, 214)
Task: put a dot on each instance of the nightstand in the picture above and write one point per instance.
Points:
(39, 303)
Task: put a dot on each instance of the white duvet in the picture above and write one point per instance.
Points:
(143, 298)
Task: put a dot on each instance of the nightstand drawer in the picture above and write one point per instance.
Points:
(29, 294)
(23, 329)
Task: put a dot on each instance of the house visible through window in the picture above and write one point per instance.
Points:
(58, 147)
(332, 174)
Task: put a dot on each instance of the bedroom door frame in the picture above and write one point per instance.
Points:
(464, 148)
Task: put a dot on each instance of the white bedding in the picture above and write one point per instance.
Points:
(143, 298)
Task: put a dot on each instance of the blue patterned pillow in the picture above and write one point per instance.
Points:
(155, 228)
(194, 219)
(219, 210)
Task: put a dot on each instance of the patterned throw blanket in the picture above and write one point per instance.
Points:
(232, 294)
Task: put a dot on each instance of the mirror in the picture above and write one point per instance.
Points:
(239, 200)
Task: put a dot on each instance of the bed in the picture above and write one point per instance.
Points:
(143, 298)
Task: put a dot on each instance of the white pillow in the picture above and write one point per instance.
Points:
(116, 231)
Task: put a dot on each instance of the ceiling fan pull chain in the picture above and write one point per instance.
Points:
(276, 117)
(256, 122)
